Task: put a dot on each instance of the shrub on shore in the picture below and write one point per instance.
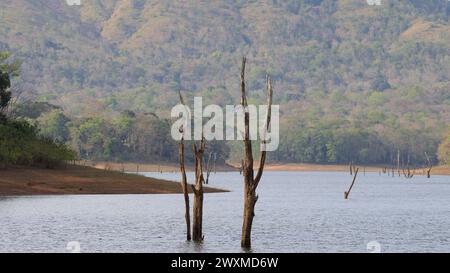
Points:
(20, 144)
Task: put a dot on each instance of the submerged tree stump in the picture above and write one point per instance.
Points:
(430, 165)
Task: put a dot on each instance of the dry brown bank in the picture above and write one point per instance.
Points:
(81, 180)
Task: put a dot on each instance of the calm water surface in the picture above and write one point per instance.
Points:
(296, 212)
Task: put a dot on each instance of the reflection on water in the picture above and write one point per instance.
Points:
(296, 212)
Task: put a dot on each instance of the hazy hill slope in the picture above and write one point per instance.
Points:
(163, 46)
(339, 66)
(139, 53)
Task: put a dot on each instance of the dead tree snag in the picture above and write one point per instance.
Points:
(250, 180)
(347, 193)
(430, 165)
(184, 184)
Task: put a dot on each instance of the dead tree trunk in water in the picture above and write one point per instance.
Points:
(352, 167)
(347, 193)
(215, 159)
(197, 229)
(197, 226)
(184, 184)
(407, 170)
(185, 190)
(250, 181)
(430, 166)
(408, 173)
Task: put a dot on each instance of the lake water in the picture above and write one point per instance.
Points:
(296, 212)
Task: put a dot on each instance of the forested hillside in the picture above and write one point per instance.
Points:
(355, 82)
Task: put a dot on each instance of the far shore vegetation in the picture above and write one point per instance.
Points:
(37, 133)
(20, 142)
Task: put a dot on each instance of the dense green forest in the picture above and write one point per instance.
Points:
(20, 142)
(354, 82)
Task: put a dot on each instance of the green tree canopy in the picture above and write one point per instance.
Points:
(444, 149)
(7, 70)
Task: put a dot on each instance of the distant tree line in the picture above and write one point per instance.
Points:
(353, 144)
(144, 137)
(127, 137)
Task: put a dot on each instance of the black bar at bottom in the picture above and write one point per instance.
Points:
(210, 262)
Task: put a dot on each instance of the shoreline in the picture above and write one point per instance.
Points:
(110, 178)
(166, 167)
(143, 167)
(436, 170)
(76, 180)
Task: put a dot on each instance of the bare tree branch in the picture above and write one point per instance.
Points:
(262, 160)
(347, 193)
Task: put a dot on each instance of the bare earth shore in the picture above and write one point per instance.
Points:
(81, 180)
